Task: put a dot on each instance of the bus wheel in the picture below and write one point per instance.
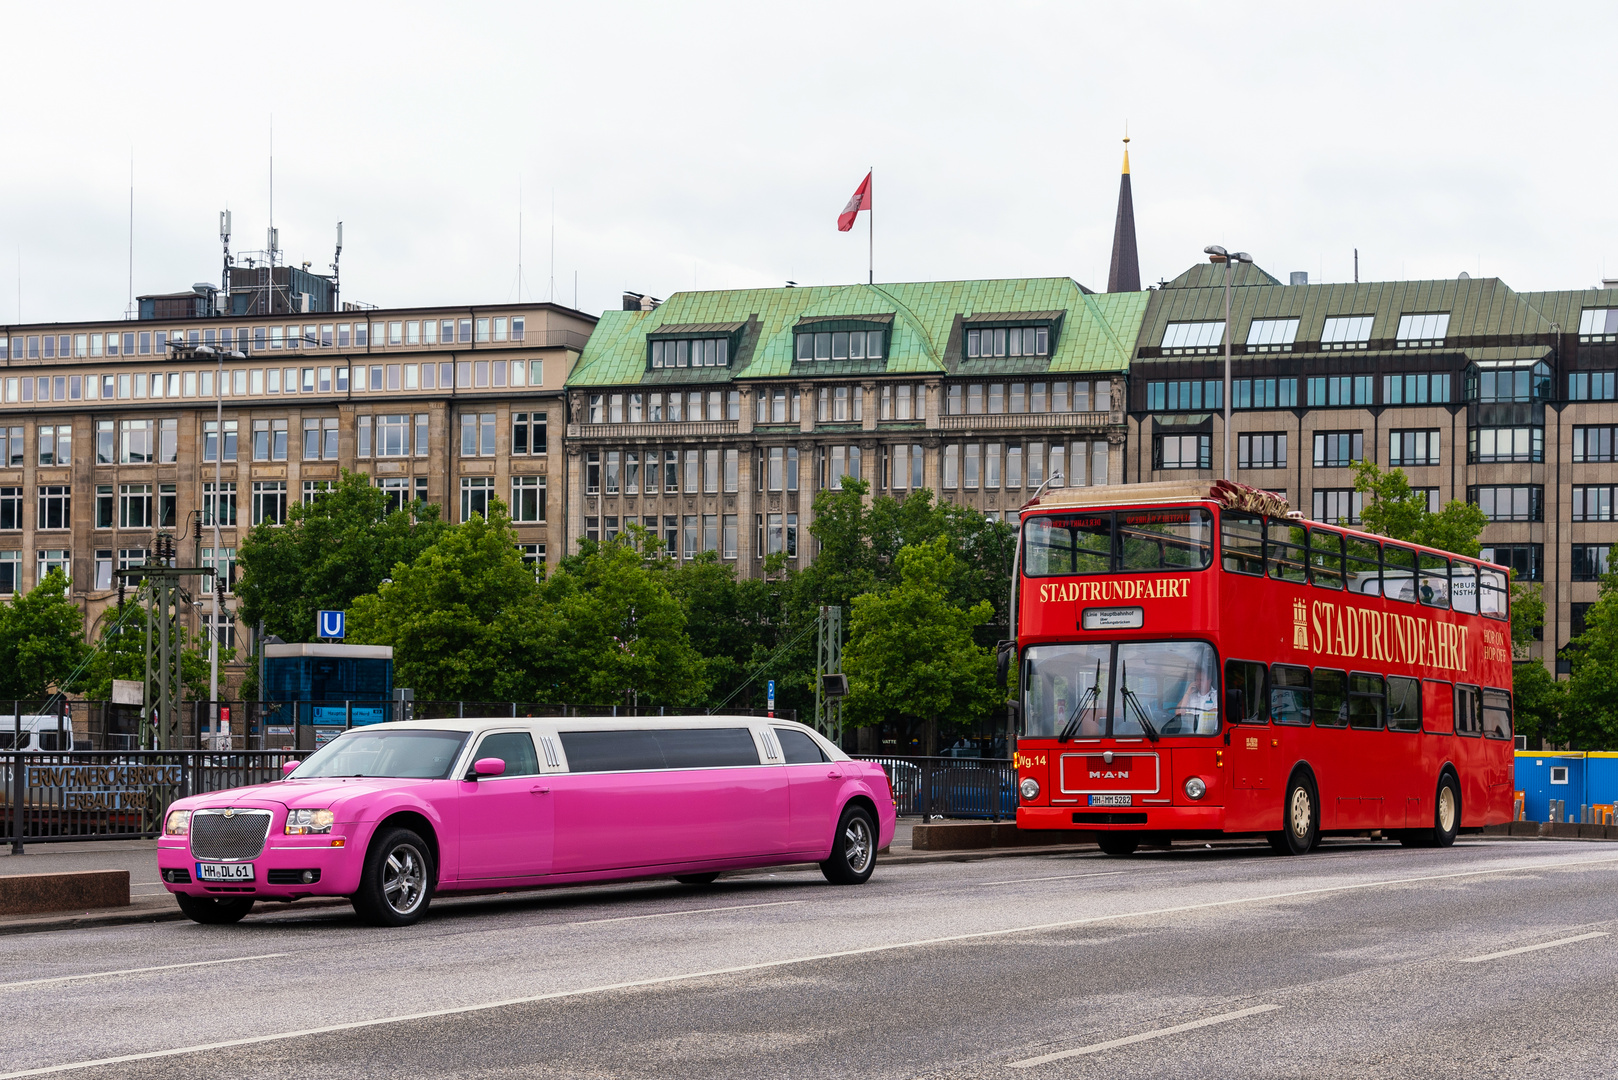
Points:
(1446, 812)
(1300, 818)
(1118, 844)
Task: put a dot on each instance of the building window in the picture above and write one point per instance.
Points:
(1414, 447)
(477, 434)
(1509, 385)
(224, 564)
(1598, 325)
(1184, 338)
(1422, 331)
(613, 471)
(1521, 502)
(728, 538)
(106, 507)
(1590, 386)
(135, 440)
(1262, 450)
(1591, 502)
(850, 345)
(12, 447)
(103, 569)
(476, 492)
(1339, 506)
(393, 435)
(1340, 390)
(1271, 335)
(48, 559)
(135, 506)
(1347, 332)
(1181, 451)
(10, 509)
(528, 432)
(838, 462)
(269, 502)
(1416, 388)
(1526, 561)
(1593, 443)
(1263, 393)
(210, 440)
(312, 489)
(528, 499)
(710, 532)
(691, 352)
(222, 508)
(55, 507)
(906, 402)
(1591, 561)
(1484, 445)
(55, 444)
(1185, 396)
(226, 627)
(1338, 449)
(1010, 341)
(10, 572)
(1577, 613)
(269, 440)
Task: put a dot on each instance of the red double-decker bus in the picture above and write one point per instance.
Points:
(1197, 661)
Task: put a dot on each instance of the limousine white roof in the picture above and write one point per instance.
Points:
(550, 725)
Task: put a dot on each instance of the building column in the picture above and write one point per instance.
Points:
(806, 500)
(573, 494)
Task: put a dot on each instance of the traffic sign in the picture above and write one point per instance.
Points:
(772, 699)
(331, 624)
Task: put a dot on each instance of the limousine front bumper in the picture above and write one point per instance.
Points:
(1123, 819)
(282, 871)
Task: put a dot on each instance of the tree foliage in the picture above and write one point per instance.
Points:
(1394, 509)
(41, 640)
(121, 654)
(1589, 719)
(330, 551)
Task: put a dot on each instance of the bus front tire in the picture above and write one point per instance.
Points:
(212, 911)
(1300, 819)
(853, 849)
(1117, 844)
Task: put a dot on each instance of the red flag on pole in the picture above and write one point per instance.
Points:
(860, 201)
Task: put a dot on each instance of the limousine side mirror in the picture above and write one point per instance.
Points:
(1235, 707)
(489, 766)
(288, 766)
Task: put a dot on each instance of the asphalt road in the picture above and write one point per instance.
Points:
(1363, 960)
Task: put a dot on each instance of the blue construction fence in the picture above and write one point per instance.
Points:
(1568, 786)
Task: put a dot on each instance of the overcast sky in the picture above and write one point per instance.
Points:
(713, 145)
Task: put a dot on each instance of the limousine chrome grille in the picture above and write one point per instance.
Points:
(229, 834)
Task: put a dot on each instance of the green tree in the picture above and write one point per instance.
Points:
(121, 654)
(1537, 702)
(1394, 509)
(1590, 710)
(41, 639)
(911, 656)
(446, 611)
(330, 551)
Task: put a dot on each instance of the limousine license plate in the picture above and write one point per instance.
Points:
(207, 871)
(1111, 800)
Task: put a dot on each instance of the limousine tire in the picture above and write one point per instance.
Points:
(397, 884)
(853, 850)
(214, 911)
(696, 879)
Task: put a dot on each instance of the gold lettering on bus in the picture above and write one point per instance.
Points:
(1331, 629)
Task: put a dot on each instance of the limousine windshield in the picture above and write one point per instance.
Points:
(416, 755)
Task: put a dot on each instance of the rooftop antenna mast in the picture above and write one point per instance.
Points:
(224, 240)
(336, 279)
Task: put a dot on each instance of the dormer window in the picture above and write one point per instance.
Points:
(1598, 325)
(1422, 331)
(1347, 332)
(1009, 341)
(840, 345)
(1182, 338)
(691, 352)
(1271, 335)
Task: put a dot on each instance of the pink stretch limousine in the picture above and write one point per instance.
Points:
(390, 814)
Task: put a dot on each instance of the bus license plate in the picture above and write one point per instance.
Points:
(1111, 800)
(224, 871)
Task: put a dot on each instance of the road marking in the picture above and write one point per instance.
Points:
(142, 970)
(768, 965)
(1096, 1048)
(689, 911)
(1533, 948)
(1057, 877)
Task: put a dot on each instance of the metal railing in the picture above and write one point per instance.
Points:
(951, 787)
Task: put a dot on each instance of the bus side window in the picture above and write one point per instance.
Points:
(1283, 551)
(1241, 542)
(1331, 698)
(1496, 714)
(1463, 586)
(1364, 566)
(1468, 710)
(1367, 701)
(1404, 704)
(1326, 558)
(1290, 696)
(1398, 573)
(1247, 679)
(1434, 580)
(1492, 593)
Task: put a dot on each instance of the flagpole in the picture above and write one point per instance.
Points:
(870, 231)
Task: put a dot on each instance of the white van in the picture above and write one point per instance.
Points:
(38, 733)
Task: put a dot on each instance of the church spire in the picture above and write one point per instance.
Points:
(1124, 274)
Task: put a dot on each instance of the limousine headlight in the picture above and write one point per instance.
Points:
(178, 823)
(1195, 788)
(1029, 788)
(305, 822)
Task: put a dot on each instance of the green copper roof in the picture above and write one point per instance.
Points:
(1095, 333)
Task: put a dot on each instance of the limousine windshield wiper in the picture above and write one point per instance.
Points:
(1071, 728)
(1133, 702)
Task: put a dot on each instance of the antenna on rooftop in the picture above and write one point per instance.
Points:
(336, 280)
(224, 240)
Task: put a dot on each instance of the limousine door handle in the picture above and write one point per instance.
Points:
(834, 774)
(539, 791)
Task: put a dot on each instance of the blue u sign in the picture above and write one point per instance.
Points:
(331, 624)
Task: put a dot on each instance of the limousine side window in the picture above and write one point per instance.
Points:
(707, 748)
(659, 748)
(515, 748)
(799, 748)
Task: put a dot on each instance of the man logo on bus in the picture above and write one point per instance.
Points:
(1300, 625)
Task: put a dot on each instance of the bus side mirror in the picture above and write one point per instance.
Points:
(1002, 666)
(1235, 707)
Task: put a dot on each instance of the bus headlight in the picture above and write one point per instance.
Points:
(1195, 788)
(178, 823)
(1029, 789)
(304, 822)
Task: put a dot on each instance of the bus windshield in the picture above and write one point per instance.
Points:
(420, 755)
(1117, 542)
(1131, 690)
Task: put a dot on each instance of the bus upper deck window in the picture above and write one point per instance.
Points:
(1241, 542)
(1326, 558)
(1284, 551)
(1364, 566)
(1067, 544)
(1492, 593)
(1173, 538)
(1463, 586)
(1398, 573)
(1434, 588)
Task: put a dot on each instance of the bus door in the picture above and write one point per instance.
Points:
(1247, 716)
(1437, 747)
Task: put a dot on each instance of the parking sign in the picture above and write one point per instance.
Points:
(772, 698)
(331, 624)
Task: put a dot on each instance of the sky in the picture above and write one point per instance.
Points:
(673, 146)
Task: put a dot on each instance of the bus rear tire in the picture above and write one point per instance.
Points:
(1300, 818)
(1117, 844)
(1446, 812)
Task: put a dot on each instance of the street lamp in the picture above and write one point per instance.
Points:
(1217, 254)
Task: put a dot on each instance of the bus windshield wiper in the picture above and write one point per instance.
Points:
(1130, 700)
(1071, 728)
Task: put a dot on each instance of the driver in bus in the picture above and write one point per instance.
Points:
(1198, 710)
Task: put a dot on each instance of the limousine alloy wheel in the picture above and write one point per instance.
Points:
(398, 881)
(853, 852)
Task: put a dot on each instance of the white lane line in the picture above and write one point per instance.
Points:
(1533, 948)
(688, 911)
(767, 965)
(1096, 1048)
(141, 970)
(1056, 877)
